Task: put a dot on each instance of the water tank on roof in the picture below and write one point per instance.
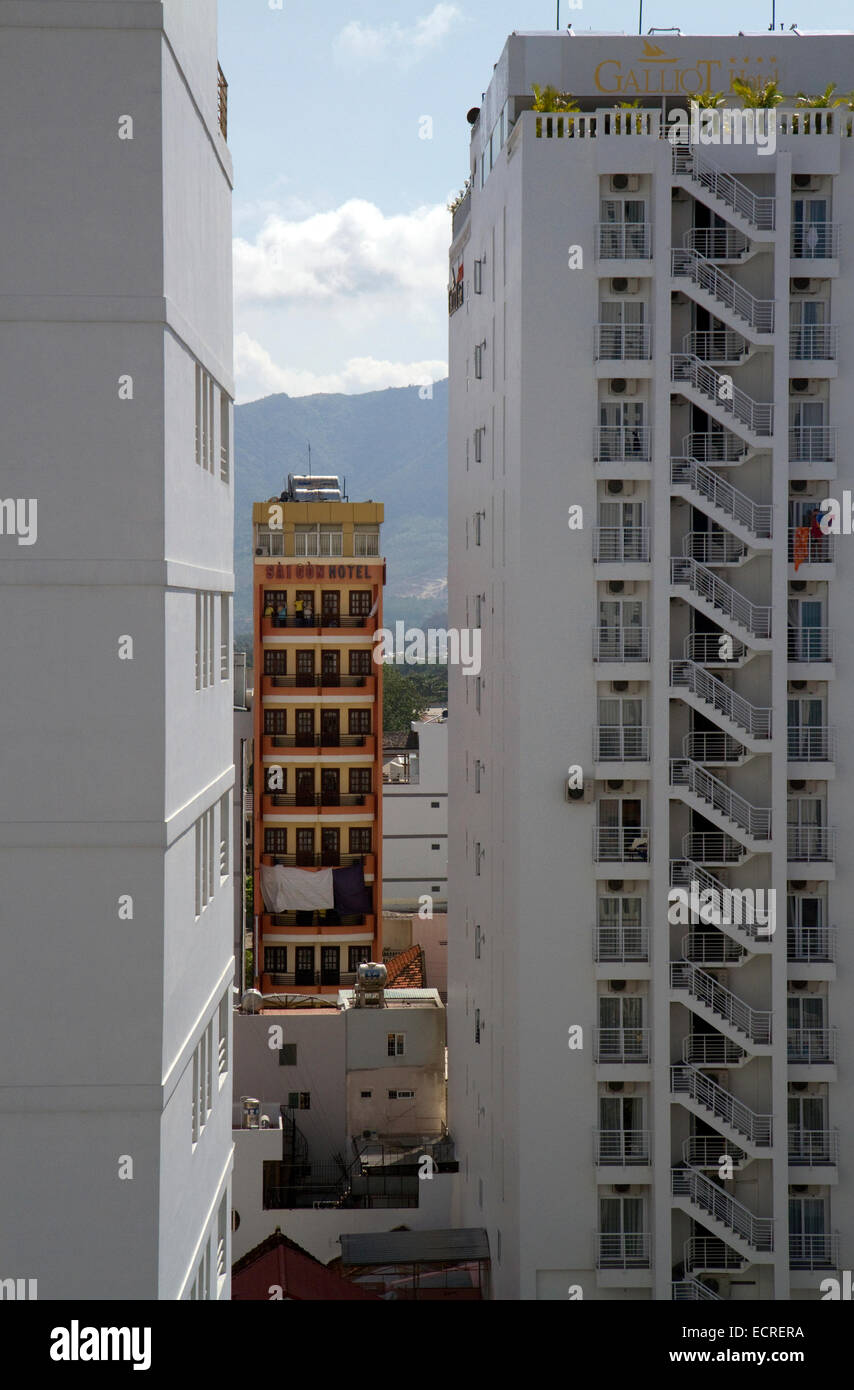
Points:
(372, 974)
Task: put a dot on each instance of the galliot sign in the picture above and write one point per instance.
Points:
(655, 73)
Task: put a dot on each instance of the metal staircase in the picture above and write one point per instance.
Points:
(720, 601)
(720, 804)
(751, 521)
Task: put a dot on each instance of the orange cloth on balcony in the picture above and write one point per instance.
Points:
(802, 545)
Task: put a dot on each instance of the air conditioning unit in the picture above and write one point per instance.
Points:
(800, 285)
(617, 784)
(616, 986)
(615, 885)
(797, 786)
(800, 1085)
(619, 487)
(616, 1086)
(798, 586)
(805, 183)
(804, 386)
(582, 795)
(798, 984)
(620, 586)
(623, 386)
(619, 687)
(799, 485)
(623, 284)
(625, 183)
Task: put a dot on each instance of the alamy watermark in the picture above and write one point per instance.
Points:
(728, 907)
(19, 517)
(414, 645)
(724, 125)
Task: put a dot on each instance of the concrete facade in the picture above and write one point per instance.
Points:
(415, 820)
(649, 345)
(116, 390)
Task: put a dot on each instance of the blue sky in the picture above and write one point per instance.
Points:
(340, 222)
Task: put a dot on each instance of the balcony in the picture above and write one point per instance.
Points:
(813, 550)
(706, 1151)
(711, 948)
(309, 803)
(621, 545)
(623, 1251)
(627, 342)
(814, 1251)
(324, 544)
(324, 921)
(811, 945)
(712, 847)
(624, 241)
(814, 342)
(717, 243)
(704, 649)
(619, 845)
(714, 446)
(815, 241)
(621, 1148)
(815, 744)
(812, 444)
(620, 743)
(621, 1045)
(311, 979)
(620, 945)
(315, 623)
(810, 1047)
(621, 443)
(810, 844)
(810, 644)
(366, 545)
(328, 859)
(318, 740)
(719, 345)
(693, 1291)
(621, 644)
(710, 1254)
(813, 1148)
(714, 548)
(714, 749)
(326, 681)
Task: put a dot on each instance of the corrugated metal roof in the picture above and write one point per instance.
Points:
(405, 1247)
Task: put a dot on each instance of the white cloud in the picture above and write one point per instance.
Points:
(353, 251)
(359, 42)
(259, 375)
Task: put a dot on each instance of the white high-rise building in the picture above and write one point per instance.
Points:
(650, 342)
(116, 501)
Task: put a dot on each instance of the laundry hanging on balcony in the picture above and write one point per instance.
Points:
(296, 890)
(802, 545)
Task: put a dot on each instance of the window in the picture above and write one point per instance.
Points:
(477, 1025)
(361, 781)
(366, 540)
(224, 636)
(222, 1050)
(204, 640)
(477, 770)
(478, 447)
(477, 942)
(357, 955)
(366, 1095)
(299, 1100)
(275, 721)
(478, 277)
(204, 419)
(360, 663)
(477, 856)
(275, 960)
(478, 360)
(396, 1044)
(204, 848)
(360, 839)
(401, 1095)
(288, 1055)
(478, 690)
(435, 846)
(224, 437)
(197, 1128)
(478, 518)
(275, 841)
(359, 721)
(202, 1100)
(224, 836)
(221, 1243)
(275, 663)
(361, 603)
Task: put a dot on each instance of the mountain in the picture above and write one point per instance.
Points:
(390, 446)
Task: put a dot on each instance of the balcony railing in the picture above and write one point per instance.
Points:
(716, 345)
(343, 979)
(713, 748)
(621, 443)
(326, 543)
(712, 1255)
(620, 945)
(313, 799)
(755, 821)
(813, 342)
(620, 743)
(757, 209)
(624, 241)
(621, 1045)
(222, 101)
(811, 944)
(705, 990)
(818, 550)
(811, 844)
(622, 342)
(711, 948)
(711, 1050)
(704, 648)
(317, 620)
(810, 644)
(621, 544)
(366, 545)
(812, 444)
(621, 1147)
(714, 446)
(621, 644)
(811, 1046)
(813, 1148)
(324, 918)
(759, 313)
(614, 844)
(308, 859)
(819, 1251)
(310, 680)
(756, 416)
(690, 1081)
(756, 516)
(756, 1231)
(703, 582)
(712, 847)
(811, 744)
(713, 547)
(716, 243)
(709, 1150)
(693, 1291)
(318, 739)
(623, 1251)
(815, 241)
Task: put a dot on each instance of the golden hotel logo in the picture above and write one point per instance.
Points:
(656, 74)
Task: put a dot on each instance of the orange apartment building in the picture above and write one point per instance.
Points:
(317, 597)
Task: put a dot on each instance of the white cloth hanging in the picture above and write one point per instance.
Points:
(296, 890)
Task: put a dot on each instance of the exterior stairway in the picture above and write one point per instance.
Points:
(752, 1236)
(724, 297)
(744, 1127)
(725, 808)
(749, 1028)
(750, 724)
(751, 622)
(750, 521)
(693, 1291)
(715, 393)
(747, 931)
(751, 213)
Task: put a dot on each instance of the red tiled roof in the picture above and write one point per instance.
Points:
(406, 971)
(279, 1261)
